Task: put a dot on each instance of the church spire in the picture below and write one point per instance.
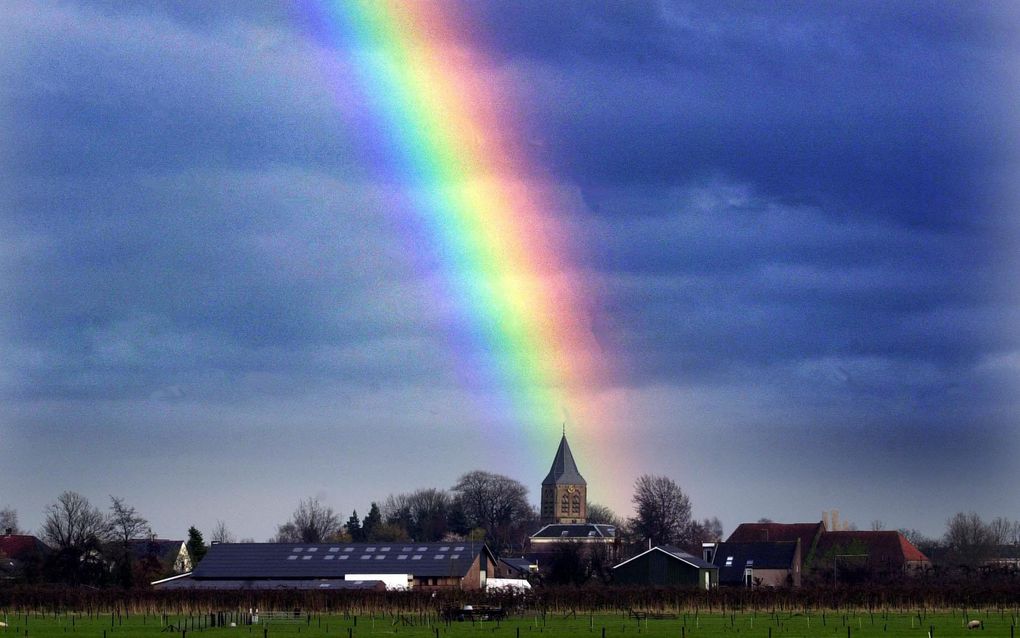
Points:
(564, 469)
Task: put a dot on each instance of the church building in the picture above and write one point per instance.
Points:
(565, 509)
(564, 490)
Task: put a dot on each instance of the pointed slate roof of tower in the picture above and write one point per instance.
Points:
(564, 470)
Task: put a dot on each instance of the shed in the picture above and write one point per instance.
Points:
(669, 566)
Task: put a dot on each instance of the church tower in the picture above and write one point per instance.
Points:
(564, 490)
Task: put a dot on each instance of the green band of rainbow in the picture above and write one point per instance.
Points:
(505, 261)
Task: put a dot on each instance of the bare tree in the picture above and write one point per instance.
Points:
(496, 503)
(72, 522)
(429, 509)
(312, 522)
(1000, 531)
(968, 539)
(662, 512)
(602, 515)
(877, 525)
(713, 529)
(221, 534)
(9, 521)
(396, 511)
(125, 523)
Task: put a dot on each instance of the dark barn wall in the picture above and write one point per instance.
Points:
(656, 568)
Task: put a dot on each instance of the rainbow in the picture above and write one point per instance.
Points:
(457, 153)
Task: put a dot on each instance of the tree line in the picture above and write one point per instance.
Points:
(92, 546)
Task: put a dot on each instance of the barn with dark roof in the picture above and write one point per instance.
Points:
(400, 565)
(666, 566)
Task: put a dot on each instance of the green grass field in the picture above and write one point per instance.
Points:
(741, 625)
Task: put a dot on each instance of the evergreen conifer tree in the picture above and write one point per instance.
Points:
(354, 529)
(196, 545)
(373, 521)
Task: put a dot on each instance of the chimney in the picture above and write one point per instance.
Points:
(708, 551)
(835, 520)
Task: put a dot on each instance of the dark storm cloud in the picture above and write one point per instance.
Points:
(895, 110)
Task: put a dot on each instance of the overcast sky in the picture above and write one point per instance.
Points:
(798, 223)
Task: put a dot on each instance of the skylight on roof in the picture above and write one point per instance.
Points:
(380, 556)
(445, 548)
(406, 549)
(440, 556)
(313, 549)
(385, 549)
(423, 549)
(329, 556)
(729, 561)
(334, 549)
(297, 549)
(343, 556)
(306, 557)
(402, 557)
(459, 548)
(369, 550)
(416, 557)
(348, 549)
(366, 556)
(292, 557)
(454, 556)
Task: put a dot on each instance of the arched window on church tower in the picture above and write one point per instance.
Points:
(565, 504)
(576, 505)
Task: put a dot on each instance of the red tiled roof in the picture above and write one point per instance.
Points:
(777, 532)
(18, 546)
(884, 548)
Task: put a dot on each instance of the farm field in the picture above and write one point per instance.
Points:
(997, 624)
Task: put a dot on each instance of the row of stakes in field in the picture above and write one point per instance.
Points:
(222, 619)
